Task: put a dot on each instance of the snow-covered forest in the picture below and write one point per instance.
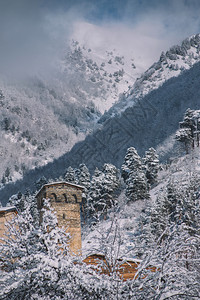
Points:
(99, 150)
(146, 211)
(42, 116)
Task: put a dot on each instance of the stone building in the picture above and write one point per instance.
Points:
(65, 198)
(6, 214)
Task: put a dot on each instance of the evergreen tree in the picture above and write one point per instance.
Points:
(190, 213)
(111, 182)
(35, 263)
(83, 176)
(183, 135)
(95, 193)
(176, 205)
(71, 176)
(189, 129)
(166, 210)
(136, 186)
(151, 163)
(134, 176)
(103, 189)
(132, 163)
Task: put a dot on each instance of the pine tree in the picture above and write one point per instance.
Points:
(35, 263)
(83, 176)
(103, 189)
(189, 129)
(151, 163)
(110, 182)
(71, 176)
(190, 213)
(134, 176)
(166, 210)
(184, 135)
(132, 162)
(136, 186)
(95, 193)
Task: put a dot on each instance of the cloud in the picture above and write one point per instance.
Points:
(34, 33)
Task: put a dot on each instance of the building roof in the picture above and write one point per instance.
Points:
(8, 209)
(127, 259)
(60, 182)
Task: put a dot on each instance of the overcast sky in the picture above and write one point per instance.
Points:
(35, 31)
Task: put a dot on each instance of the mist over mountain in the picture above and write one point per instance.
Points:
(148, 123)
(44, 115)
(171, 64)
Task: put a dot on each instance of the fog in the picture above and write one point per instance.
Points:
(34, 34)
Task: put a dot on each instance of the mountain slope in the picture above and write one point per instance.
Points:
(147, 124)
(100, 74)
(43, 116)
(171, 64)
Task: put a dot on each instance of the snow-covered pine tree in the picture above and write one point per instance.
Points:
(132, 162)
(190, 212)
(158, 217)
(94, 196)
(31, 256)
(176, 268)
(134, 176)
(151, 163)
(21, 200)
(83, 176)
(175, 205)
(166, 210)
(71, 175)
(137, 186)
(171, 243)
(35, 263)
(111, 183)
(184, 136)
(189, 131)
(103, 189)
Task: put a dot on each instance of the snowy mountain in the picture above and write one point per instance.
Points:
(100, 74)
(66, 103)
(151, 122)
(171, 64)
(44, 115)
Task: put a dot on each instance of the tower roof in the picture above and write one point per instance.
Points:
(59, 183)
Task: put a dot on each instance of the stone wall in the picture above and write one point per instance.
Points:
(4, 218)
(65, 199)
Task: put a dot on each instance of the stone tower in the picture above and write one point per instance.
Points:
(65, 198)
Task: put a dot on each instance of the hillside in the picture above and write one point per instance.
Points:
(171, 64)
(127, 216)
(44, 115)
(149, 123)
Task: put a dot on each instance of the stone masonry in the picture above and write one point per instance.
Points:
(65, 198)
(6, 214)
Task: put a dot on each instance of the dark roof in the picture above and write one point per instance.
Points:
(61, 182)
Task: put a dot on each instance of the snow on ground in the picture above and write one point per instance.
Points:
(117, 66)
(170, 64)
(125, 220)
(179, 170)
